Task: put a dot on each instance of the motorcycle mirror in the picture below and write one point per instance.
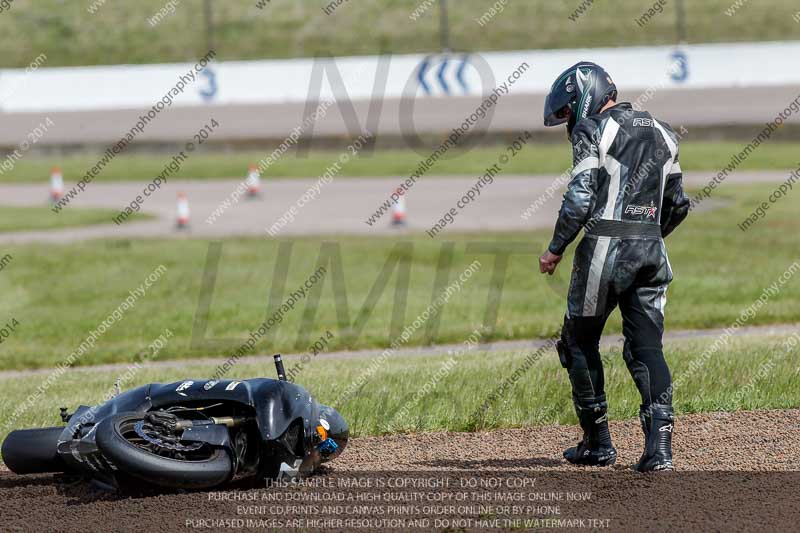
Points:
(279, 367)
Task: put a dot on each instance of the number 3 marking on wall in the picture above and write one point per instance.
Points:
(679, 66)
(210, 90)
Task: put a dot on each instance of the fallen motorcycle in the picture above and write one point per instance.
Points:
(192, 434)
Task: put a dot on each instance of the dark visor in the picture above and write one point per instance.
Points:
(555, 107)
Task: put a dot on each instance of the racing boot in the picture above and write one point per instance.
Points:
(595, 449)
(658, 422)
(645, 419)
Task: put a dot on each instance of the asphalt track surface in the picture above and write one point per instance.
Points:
(427, 115)
(341, 207)
(734, 472)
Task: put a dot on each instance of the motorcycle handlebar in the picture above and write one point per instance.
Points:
(279, 367)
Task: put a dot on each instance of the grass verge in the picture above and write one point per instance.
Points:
(16, 218)
(535, 159)
(754, 373)
(59, 294)
(292, 28)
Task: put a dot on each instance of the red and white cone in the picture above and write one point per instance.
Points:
(253, 181)
(56, 184)
(399, 210)
(183, 211)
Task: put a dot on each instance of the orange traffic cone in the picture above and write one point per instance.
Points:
(399, 210)
(183, 211)
(253, 181)
(56, 184)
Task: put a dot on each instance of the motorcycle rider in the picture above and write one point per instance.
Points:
(626, 193)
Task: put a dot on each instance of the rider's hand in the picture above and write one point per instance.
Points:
(548, 262)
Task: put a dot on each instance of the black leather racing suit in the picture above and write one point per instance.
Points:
(626, 192)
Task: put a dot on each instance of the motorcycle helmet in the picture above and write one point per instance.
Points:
(579, 92)
(333, 431)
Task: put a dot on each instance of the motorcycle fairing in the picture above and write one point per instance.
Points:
(277, 405)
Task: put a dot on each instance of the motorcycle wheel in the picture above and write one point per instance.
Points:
(118, 441)
(33, 451)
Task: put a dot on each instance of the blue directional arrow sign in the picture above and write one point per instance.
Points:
(423, 69)
(442, 74)
(460, 73)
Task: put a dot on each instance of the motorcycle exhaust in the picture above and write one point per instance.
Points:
(229, 421)
(279, 367)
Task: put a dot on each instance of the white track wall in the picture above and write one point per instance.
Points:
(289, 81)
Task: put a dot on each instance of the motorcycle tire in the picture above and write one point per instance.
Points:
(33, 451)
(156, 469)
